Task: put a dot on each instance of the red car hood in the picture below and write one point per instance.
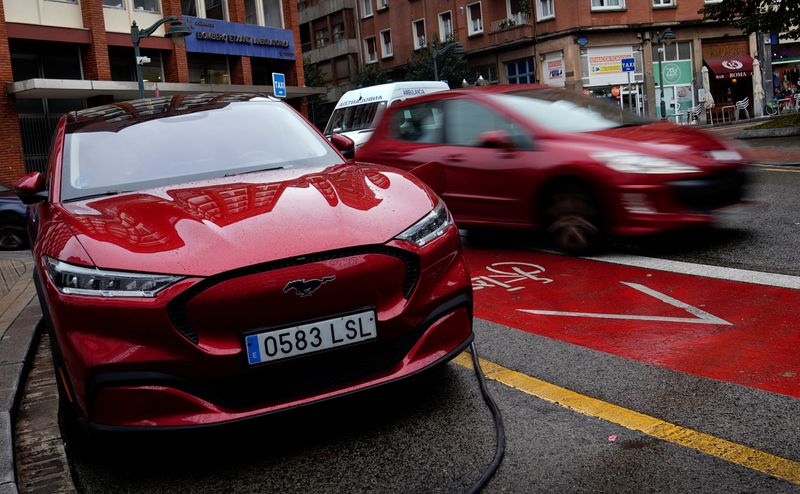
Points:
(667, 135)
(203, 228)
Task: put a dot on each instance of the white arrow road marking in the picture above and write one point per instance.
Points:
(700, 316)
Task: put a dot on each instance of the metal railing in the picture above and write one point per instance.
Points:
(515, 20)
(37, 134)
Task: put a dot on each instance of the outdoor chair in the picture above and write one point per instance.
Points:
(742, 105)
(693, 113)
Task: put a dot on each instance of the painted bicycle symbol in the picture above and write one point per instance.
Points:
(506, 274)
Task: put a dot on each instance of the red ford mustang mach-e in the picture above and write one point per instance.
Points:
(538, 157)
(203, 259)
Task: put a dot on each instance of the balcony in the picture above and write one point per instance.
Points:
(323, 8)
(520, 19)
(333, 50)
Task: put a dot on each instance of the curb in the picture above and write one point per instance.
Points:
(15, 360)
(762, 133)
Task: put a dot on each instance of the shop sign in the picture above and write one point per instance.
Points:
(679, 72)
(605, 65)
(553, 69)
(233, 38)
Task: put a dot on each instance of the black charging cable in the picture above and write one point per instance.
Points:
(500, 448)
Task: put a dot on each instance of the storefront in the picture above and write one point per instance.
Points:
(603, 76)
(553, 69)
(786, 69)
(731, 79)
(678, 73)
(214, 46)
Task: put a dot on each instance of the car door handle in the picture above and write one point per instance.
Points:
(455, 158)
(391, 154)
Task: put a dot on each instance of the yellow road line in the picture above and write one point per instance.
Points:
(739, 454)
(786, 170)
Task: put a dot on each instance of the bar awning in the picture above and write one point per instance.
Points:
(729, 67)
(80, 89)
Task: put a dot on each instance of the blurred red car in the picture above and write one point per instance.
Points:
(209, 258)
(540, 157)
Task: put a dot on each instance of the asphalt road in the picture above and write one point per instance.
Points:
(433, 433)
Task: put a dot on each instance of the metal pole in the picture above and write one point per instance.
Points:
(661, 83)
(139, 77)
(630, 96)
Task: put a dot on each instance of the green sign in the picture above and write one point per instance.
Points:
(674, 72)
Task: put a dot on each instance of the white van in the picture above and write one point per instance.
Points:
(357, 111)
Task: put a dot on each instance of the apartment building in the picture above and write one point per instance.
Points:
(572, 43)
(62, 55)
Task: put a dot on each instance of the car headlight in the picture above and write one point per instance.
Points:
(79, 280)
(642, 163)
(725, 155)
(432, 226)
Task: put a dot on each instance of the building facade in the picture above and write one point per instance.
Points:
(62, 55)
(577, 44)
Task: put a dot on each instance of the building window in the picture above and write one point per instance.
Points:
(520, 71)
(488, 72)
(383, 4)
(445, 26)
(189, 7)
(215, 9)
(147, 6)
(386, 43)
(113, 4)
(250, 12)
(273, 13)
(338, 32)
(371, 49)
(713, 1)
(545, 9)
(321, 37)
(418, 32)
(367, 8)
(208, 69)
(608, 4)
(663, 3)
(474, 19)
(65, 1)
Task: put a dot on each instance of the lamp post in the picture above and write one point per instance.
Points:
(456, 48)
(664, 37)
(175, 31)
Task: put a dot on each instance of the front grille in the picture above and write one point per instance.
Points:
(711, 192)
(177, 307)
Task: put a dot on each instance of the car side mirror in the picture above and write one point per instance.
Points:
(31, 188)
(495, 139)
(345, 145)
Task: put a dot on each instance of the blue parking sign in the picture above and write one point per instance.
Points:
(628, 64)
(279, 84)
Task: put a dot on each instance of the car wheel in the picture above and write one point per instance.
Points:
(573, 221)
(13, 234)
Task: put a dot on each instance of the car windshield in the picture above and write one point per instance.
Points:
(110, 157)
(352, 118)
(566, 111)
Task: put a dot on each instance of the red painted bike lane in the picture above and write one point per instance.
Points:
(732, 331)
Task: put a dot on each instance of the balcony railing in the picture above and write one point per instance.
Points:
(511, 22)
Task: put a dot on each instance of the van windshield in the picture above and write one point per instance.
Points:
(352, 118)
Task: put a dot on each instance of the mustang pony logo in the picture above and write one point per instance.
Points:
(306, 288)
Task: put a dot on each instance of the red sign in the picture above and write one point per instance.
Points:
(615, 91)
(727, 330)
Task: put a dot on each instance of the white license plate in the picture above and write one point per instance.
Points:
(309, 338)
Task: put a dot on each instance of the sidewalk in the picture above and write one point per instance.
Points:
(781, 151)
(19, 317)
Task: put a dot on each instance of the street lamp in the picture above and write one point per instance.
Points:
(455, 47)
(665, 37)
(176, 31)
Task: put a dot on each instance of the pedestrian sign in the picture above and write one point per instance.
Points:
(279, 84)
(628, 64)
